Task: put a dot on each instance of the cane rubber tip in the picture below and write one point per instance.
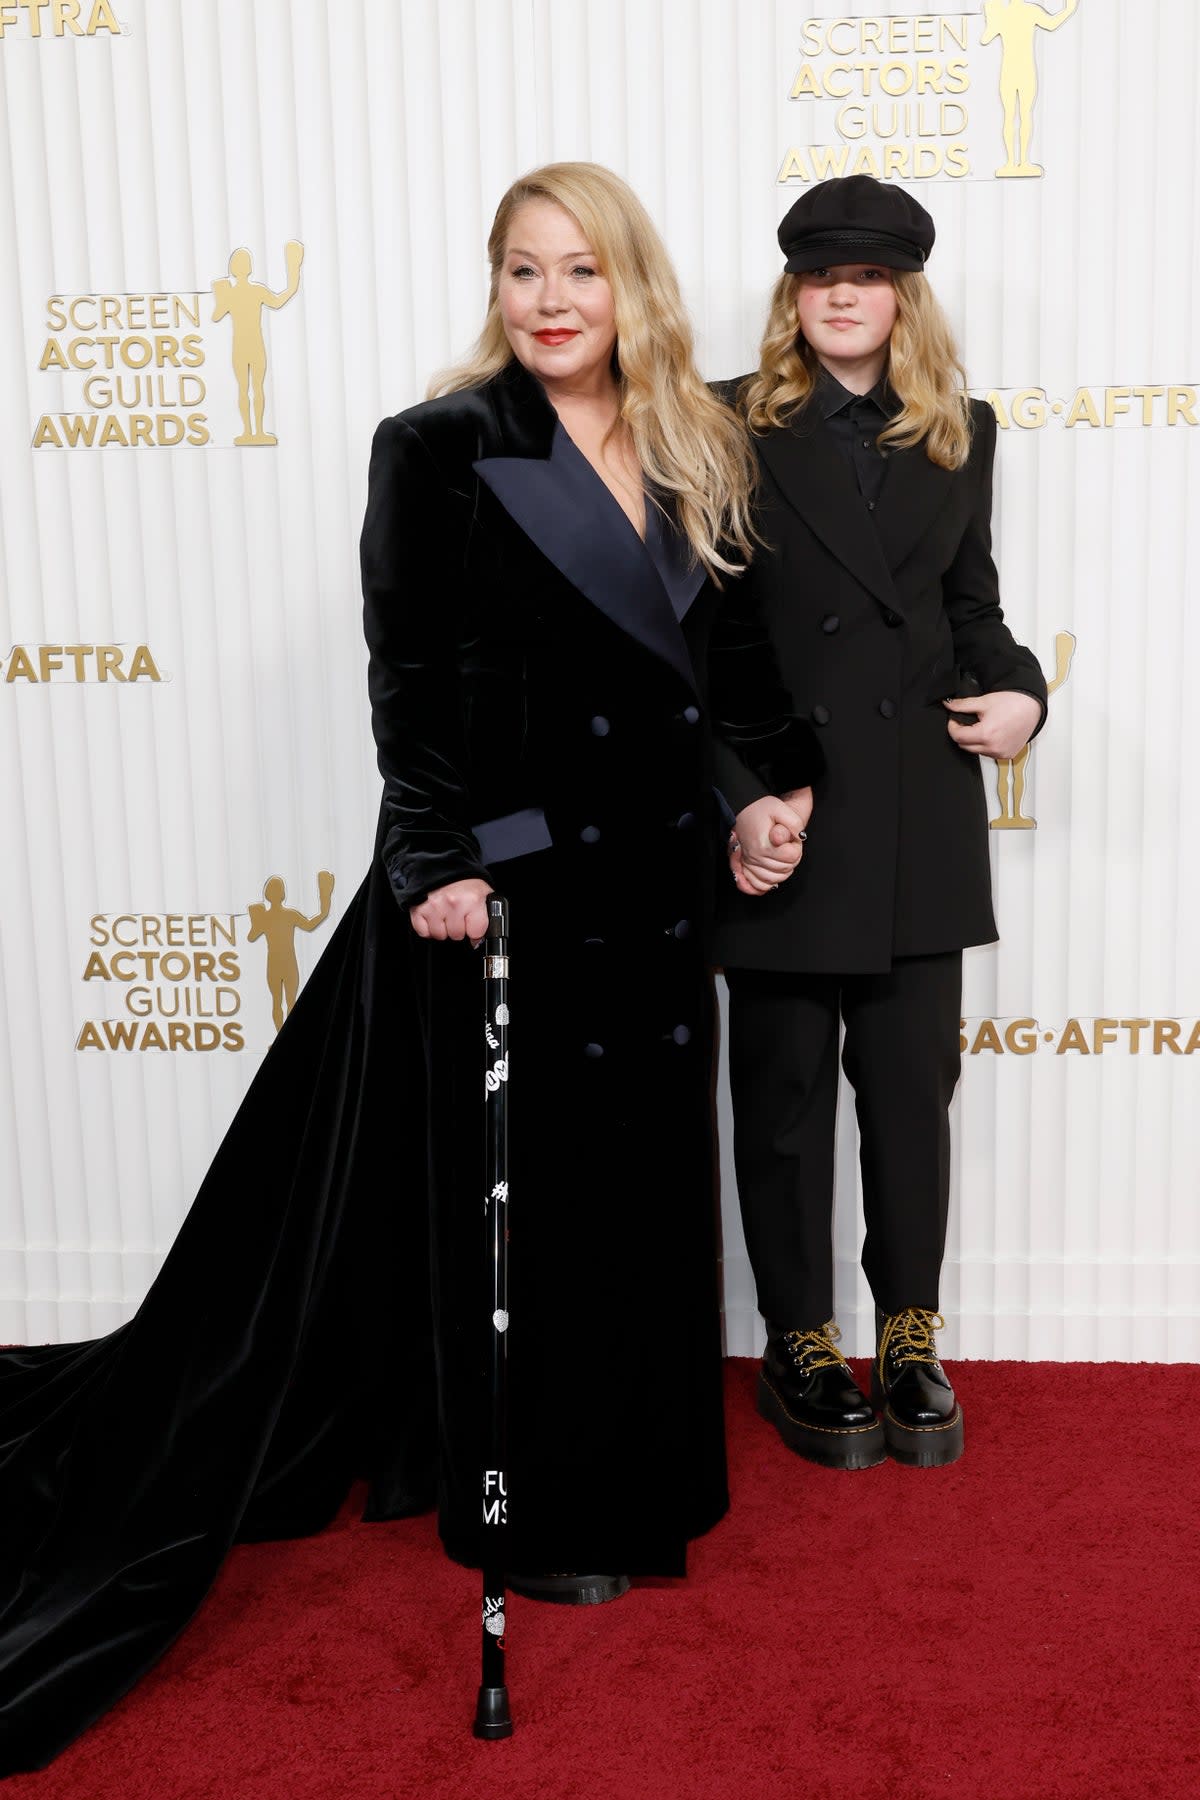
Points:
(492, 1717)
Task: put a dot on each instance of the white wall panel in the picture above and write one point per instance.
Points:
(379, 134)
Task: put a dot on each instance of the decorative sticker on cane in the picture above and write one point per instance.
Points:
(499, 1193)
(493, 1615)
(495, 1497)
(502, 1014)
(500, 1319)
(496, 1074)
(492, 1040)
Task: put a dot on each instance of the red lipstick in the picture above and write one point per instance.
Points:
(555, 337)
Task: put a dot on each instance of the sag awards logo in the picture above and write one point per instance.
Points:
(135, 369)
(1080, 1037)
(278, 924)
(244, 302)
(74, 665)
(174, 981)
(1146, 405)
(58, 18)
(1011, 772)
(1077, 1036)
(893, 95)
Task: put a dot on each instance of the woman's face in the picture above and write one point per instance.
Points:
(556, 306)
(847, 313)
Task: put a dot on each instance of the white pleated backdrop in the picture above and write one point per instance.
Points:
(379, 134)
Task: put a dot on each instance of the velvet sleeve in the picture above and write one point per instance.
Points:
(971, 590)
(760, 746)
(412, 549)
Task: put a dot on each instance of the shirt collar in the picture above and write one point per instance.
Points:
(833, 398)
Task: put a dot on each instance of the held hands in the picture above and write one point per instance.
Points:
(768, 841)
(1006, 722)
(457, 911)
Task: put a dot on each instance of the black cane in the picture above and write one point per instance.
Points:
(492, 1717)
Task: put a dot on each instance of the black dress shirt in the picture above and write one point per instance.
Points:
(855, 422)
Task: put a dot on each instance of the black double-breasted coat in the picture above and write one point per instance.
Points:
(876, 616)
(553, 701)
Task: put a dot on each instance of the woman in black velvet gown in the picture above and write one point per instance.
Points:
(557, 683)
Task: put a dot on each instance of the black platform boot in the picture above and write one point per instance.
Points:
(922, 1421)
(807, 1391)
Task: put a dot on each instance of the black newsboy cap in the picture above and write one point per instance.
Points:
(854, 219)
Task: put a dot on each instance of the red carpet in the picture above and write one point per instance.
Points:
(1021, 1626)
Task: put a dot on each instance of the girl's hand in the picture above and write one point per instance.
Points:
(768, 841)
(1006, 722)
(746, 880)
(456, 911)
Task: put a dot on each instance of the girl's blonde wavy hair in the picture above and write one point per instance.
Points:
(923, 368)
(688, 443)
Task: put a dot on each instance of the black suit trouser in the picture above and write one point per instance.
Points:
(901, 1055)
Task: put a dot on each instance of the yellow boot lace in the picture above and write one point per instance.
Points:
(815, 1349)
(909, 1337)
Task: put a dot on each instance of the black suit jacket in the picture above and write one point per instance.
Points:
(876, 617)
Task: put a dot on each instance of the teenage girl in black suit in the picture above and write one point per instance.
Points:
(878, 586)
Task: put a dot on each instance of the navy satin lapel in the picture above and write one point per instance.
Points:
(914, 490)
(671, 555)
(817, 480)
(564, 507)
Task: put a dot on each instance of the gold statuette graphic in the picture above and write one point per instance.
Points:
(279, 924)
(1016, 23)
(243, 300)
(1010, 775)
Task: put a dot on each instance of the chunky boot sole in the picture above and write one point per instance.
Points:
(570, 1590)
(849, 1447)
(919, 1446)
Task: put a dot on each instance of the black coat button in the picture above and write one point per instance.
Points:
(831, 623)
(593, 1050)
(682, 928)
(887, 709)
(892, 619)
(685, 821)
(681, 1035)
(600, 726)
(590, 834)
(594, 943)
(691, 714)
(821, 715)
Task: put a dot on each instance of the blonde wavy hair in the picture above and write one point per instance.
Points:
(923, 368)
(687, 442)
